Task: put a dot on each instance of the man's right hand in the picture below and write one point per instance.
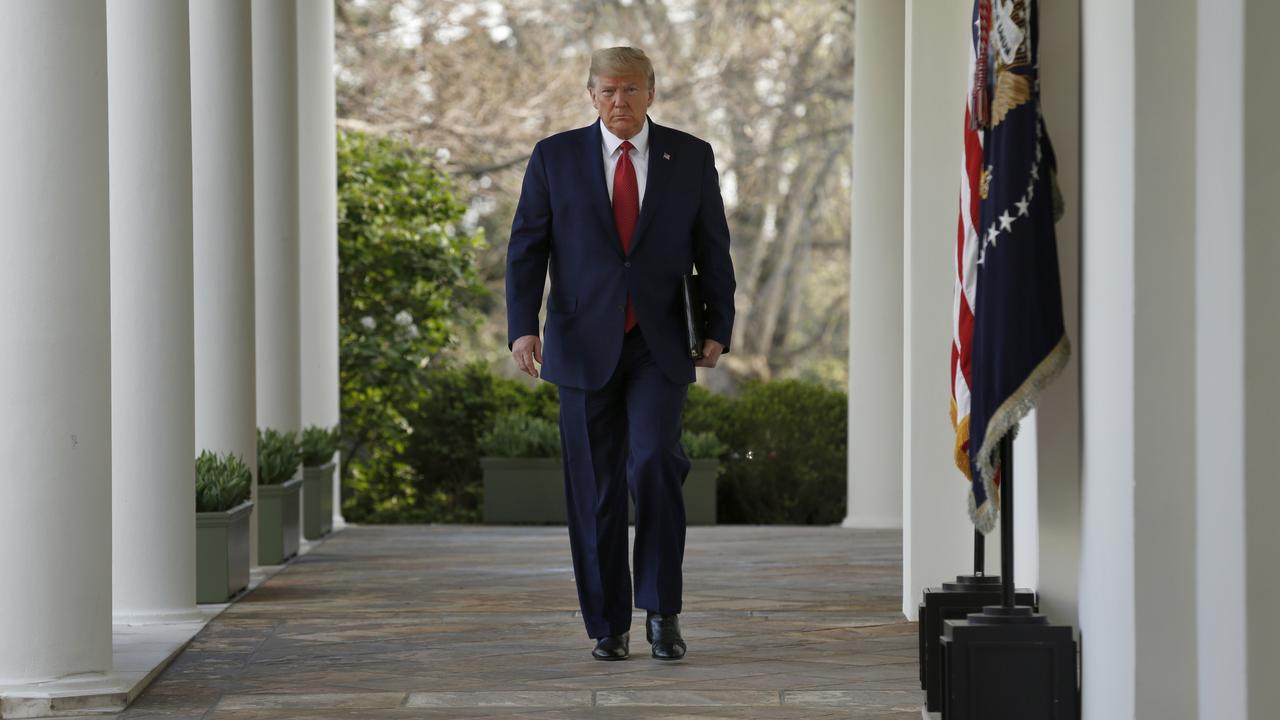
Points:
(525, 350)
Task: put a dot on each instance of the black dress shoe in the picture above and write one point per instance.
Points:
(613, 647)
(663, 633)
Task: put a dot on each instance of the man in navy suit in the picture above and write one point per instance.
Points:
(619, 211)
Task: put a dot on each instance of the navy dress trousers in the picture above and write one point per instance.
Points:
(622, 393)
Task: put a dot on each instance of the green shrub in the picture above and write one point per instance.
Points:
(408, 285)
(782, 448)
(279, 455)
(222, 483)
(702, 445)
(318, 445)
(706, 411)
(518, 435)
(439, 478)
(787, 461)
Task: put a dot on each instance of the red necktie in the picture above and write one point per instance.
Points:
(626, 208)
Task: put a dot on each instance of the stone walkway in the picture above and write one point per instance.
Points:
(473, 621)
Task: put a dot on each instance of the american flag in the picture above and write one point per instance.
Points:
(1012, 342)
(966, 273)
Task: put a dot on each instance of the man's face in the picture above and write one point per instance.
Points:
(622, 101)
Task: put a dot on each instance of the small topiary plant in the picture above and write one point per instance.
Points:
(222, 482)
(702, 445)
(517, 435)
(279, 454)
(318, 445)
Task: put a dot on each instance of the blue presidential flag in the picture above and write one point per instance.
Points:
(1019, 343)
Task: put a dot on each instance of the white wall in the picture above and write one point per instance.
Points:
(1026, 501)
(1164, 352)
(1261, 189)
(1057, 430)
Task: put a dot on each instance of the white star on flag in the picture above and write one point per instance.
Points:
(1022, 206)
(1006, 220)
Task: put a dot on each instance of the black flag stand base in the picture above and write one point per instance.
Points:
(1007, 662)
(953, 601)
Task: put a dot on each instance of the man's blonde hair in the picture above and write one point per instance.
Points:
(619, 61)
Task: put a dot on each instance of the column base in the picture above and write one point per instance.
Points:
(872, 522)
(140, 654)
(158, 617)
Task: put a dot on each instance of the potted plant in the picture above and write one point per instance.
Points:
(223, 508)
(704, 451)
(523, 480)
(279, 487)
(318, 447)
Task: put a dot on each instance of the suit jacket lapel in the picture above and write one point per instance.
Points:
(597, 188)
(658, 180)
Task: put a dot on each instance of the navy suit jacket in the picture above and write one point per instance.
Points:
(564, 220)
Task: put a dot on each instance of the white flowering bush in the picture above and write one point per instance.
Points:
(408, 285)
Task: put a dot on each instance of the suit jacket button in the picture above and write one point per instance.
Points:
(626, 264)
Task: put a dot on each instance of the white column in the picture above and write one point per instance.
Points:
(55, 366)
(1138, 565)
(222, 211)
(275, 196)
(1223, 624)
(1261, 186)
(153, 433)
(875, 270)
(318, 202)
(1106, 354)
(1057, 424)
(937, 536)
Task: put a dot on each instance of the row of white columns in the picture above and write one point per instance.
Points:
(150, 294)
(1153, 455)
(908, 103)
(1178, 566)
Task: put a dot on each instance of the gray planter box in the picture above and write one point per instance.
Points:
(317, 500)
(222, 553)
(531, 490)
(523, 490)
(278, 527)
(700, 491)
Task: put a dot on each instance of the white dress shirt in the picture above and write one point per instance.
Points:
(639, 157)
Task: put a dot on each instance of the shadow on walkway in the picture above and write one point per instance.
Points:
(470, 621)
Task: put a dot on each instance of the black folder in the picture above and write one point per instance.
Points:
(695, 314)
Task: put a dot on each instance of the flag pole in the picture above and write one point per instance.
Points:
(979, 553)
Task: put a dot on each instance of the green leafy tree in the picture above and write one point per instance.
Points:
(407, 286)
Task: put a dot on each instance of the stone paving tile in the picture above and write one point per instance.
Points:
(476, 621)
